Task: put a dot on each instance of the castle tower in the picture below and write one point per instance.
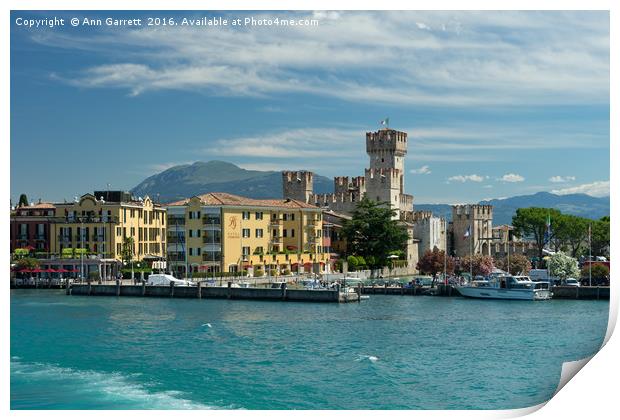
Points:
(385, 180)
(477, 220)
(297, 185)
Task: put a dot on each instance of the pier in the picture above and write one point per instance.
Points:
(282, 293)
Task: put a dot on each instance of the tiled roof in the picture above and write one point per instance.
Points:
(37, 206)
(226, 199)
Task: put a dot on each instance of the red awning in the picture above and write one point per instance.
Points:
(62, 270)
(308, 264)
(247, 265)
(50, 270)
(38, 270)
(24, 270)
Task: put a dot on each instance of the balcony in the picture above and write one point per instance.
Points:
(175, 240)
(64, 238)
(214, 241)
(275, 222)
(212, 221)
(40, 237)
(22, 236)
(176, 221)
(86, 219)
(276, 240)
(98, 238)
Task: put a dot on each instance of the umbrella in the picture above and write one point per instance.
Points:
(62, 270)
(38, 270)
(51, 270)
(24, 270)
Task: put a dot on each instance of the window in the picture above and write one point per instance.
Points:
(292, 233)
(285, 216)
(259, 233)
(259, 215)
(245, 251)
(292, 216)
(191, 234)
(245, 233)
(245, 215)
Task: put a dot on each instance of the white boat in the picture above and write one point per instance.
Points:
(506, 287)
(165, 280)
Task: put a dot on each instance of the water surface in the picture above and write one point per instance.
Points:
(389, 352)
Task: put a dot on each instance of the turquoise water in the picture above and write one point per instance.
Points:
(389, 352)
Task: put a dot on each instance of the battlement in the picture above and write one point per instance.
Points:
(478, 211)
(387, 140)
(406, 202)
(422, 214)
(299, 176)
(297, 185)
(342, 184)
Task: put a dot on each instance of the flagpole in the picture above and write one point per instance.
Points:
(590, 254)
(471, 244)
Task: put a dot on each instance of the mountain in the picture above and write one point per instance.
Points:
(576, 204)
(184, 181)
(504, 208)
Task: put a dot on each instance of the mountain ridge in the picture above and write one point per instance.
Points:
(187, 180)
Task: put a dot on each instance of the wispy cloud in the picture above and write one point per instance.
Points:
(446, 58)
(511, 178)
(424, 170)
(560, 179)
(595, 189)
(465, 178)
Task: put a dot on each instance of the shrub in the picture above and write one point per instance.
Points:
(259, 273)
(94, 276)
(273, 272)
(287, 272)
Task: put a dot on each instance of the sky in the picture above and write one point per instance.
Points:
(495, 104)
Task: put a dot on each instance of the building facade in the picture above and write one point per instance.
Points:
(472, 229)
(220, 232)
(31, 227)
(430, 231)
(103, 228)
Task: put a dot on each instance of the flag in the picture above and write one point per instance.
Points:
(467, 232)
(385, 122)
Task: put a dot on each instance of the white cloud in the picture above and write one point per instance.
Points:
(512, 178)
(424, 170)
(465, 178)
(482, 58)
(595, 189)
(559, 179)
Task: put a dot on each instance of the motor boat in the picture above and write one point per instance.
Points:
(506, 287)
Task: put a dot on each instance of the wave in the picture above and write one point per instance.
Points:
(103, 389)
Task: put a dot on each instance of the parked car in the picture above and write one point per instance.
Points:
(571, 282)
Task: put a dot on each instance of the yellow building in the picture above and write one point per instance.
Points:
(101, 222)
(220, 232)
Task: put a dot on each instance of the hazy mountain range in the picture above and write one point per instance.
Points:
(202, 177)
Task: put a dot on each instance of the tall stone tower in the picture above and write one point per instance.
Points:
(297, 185)
(478, 219)
(385, 178)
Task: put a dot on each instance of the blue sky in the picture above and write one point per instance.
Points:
(496, 104)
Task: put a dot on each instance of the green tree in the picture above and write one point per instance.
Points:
(518, 264)
(127, 250)
(27, 263)
(23, 201)
(372, 232)
(570, 233)
(563, 266)
(432, 262)
(599, 273)
(601, 236)
(352, 262)
(532, 222)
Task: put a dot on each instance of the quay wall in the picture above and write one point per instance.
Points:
(210, 292)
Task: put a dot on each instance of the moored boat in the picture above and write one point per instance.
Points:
(506, 287)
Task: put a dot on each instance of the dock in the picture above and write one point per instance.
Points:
(282, 293)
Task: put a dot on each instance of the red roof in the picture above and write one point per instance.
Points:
(226, 199)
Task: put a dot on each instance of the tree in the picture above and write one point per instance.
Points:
(372, 232)
(127, 249)
(570, 232)
(518, 264)
(27, 263)
(532, 222)
(432, 262)
(600, 236)
(563, 266)
(482, 265)
(599, 273)
(23, 201)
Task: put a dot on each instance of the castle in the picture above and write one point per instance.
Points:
(383, 181)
